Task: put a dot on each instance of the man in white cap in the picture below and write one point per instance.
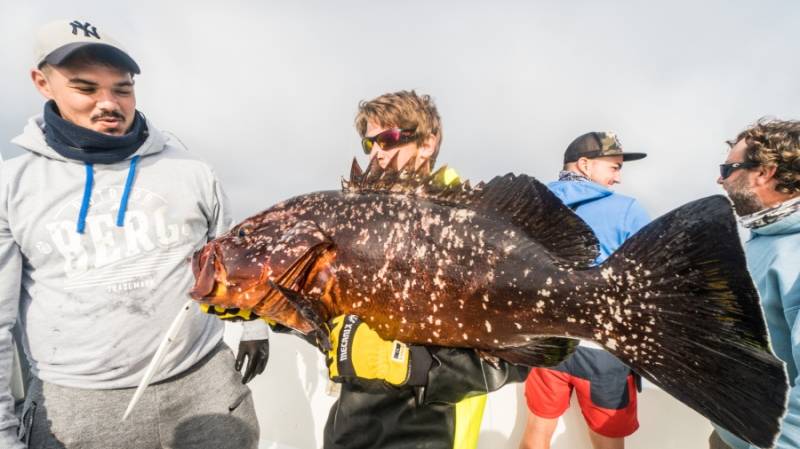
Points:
(97, 221)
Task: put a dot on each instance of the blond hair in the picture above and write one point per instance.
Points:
(406, 110)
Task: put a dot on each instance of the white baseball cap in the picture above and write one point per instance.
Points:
(56, 41)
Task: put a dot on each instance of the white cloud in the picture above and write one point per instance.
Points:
(267, 92)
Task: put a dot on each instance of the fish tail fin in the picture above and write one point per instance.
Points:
(686, 315)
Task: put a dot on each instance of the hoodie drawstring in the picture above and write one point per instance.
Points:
(123, 204)
(87, 195)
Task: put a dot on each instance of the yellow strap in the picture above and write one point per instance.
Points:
(450, 176)
(469, 414)
(226, 314)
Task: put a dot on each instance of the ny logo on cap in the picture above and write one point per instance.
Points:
(86, 27)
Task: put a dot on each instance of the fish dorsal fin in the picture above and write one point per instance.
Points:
(392, 179)
(522, 200)
(355, 171)
(529, 204)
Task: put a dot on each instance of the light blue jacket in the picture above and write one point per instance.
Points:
(773, 258)
(612, 217)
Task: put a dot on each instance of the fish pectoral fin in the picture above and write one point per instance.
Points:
(298, 271)
(544, 352)
(296, 252)
(312, 311)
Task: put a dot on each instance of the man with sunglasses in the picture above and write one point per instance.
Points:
(394, 395)
(605, 387)
(762, 178)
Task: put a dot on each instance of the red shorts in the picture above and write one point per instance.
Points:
(548, 393)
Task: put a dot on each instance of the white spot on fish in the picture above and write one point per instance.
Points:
(488, 326)
(461, 215)
(421, 251)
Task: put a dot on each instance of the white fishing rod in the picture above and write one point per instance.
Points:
(172, 332)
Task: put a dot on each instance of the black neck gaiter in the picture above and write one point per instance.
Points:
(83, 144)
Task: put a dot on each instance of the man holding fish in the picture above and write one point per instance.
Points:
(436, 395)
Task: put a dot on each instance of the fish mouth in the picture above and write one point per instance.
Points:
(205, 264)
(212, 285)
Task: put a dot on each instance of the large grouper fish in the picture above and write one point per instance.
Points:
(506, 269)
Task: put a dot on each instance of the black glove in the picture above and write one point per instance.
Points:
(257, 352)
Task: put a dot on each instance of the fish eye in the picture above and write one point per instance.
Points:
(243, 231)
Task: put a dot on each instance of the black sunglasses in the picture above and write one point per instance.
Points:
(726, 170)
(389, 139)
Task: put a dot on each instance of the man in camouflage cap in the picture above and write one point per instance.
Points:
(606, 389)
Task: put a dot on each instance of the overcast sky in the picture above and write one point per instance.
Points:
(267, 91)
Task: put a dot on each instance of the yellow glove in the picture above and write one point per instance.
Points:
(359, 354)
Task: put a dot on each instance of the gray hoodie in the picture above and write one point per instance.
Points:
(93, 307)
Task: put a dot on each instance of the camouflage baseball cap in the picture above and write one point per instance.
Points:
(598, 144)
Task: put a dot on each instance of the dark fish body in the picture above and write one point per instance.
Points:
(506, 269)
(421, 272)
